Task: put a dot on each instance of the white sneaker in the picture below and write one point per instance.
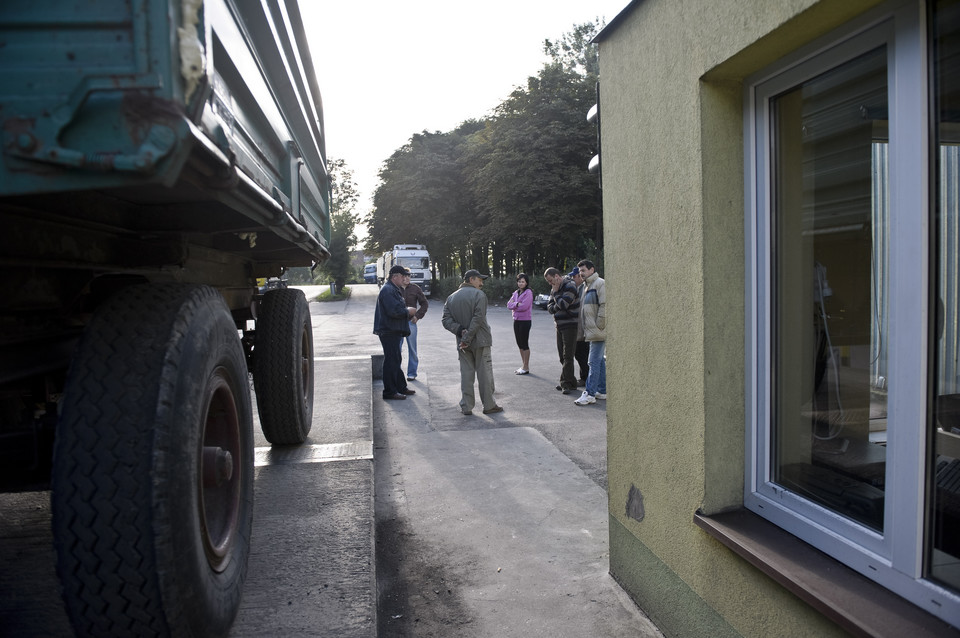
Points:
(600, 395)
(585, 399)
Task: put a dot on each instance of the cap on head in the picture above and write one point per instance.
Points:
(573, 273)
(399, 270)
(473, 273)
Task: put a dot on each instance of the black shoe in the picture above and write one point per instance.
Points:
(567, 391)
(394, 397)
(559, 387)
(493, 410)
(408, 391)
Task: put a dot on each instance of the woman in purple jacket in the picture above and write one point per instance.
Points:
(521, 303)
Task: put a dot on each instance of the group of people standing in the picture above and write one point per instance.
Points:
(578, 305)
(400, 306)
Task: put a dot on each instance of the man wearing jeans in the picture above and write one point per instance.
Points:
(593, 317)
(414, 298)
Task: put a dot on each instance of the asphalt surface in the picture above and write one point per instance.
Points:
(492, 526)
(403, 518)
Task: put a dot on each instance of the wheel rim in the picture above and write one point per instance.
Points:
(221, 472)
(305, 361)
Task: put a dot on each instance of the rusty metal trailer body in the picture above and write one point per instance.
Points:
(158, 157)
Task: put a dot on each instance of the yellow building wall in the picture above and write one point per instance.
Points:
(671, 75)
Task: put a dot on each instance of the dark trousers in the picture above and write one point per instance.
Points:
(583, 360)
(393, 380)
(566, 348)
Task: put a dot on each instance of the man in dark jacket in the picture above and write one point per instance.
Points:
(564, 305)
(391, 322)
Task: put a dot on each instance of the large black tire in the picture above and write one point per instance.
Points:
(153, 468)
(283, 367)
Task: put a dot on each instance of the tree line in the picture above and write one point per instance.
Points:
(509, 192)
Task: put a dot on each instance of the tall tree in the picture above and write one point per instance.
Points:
(575, 52)
(422, 197)
(527, 168)
(511, 188)
(343, 221)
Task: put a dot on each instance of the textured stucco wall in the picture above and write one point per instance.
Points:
(672, 116)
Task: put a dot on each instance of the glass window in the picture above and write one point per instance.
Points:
(853, 328)
(944, 496)
(414, 262)
(829, 396)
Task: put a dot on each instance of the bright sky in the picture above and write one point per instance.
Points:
(388, 69)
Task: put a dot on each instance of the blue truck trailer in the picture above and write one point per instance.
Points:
(158, 158)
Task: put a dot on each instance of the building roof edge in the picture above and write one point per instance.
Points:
(615, 23)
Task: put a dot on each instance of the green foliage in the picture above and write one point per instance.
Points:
(299, 275)
(344, 293)
(508, 192)
(344, 195)
(445, 286)
(573, 50)
(423, 198)
(497, 289)
(527, 169)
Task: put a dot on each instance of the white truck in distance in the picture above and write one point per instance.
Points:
(411, 256)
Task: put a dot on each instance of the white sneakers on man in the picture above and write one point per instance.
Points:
(601, 396)
(585, 399)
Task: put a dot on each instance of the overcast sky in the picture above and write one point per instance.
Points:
(388, 69)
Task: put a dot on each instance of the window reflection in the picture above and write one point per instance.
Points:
(944, 497)
(413, 262)
(830, 203)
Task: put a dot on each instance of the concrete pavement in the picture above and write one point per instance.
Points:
(486, 526)
(492, 525)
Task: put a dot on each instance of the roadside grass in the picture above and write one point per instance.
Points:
(343, 295)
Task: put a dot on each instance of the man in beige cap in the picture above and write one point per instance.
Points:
(465, 315)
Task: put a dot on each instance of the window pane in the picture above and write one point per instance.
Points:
(944, 518)
(829, 330)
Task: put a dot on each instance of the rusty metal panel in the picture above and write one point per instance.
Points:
(214, 100)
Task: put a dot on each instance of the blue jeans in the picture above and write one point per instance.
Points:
(412, 359)
(597, 378)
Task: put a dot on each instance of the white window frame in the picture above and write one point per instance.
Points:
(894, 558)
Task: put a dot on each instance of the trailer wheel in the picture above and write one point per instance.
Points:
(283, 367)
(153, 468)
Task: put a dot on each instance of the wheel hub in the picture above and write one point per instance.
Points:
(220, 479)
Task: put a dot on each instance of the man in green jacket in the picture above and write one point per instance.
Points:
(465, 315)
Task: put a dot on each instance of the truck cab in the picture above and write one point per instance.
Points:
(416, 259)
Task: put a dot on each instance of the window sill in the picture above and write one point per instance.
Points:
(854, 602)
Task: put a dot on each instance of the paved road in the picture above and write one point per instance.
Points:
(486, 525)
(345, 329)
(493, 526)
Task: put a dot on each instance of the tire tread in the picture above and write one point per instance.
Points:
(276, 377)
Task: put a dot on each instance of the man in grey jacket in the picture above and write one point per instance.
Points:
(593, 317)
(465, 315)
